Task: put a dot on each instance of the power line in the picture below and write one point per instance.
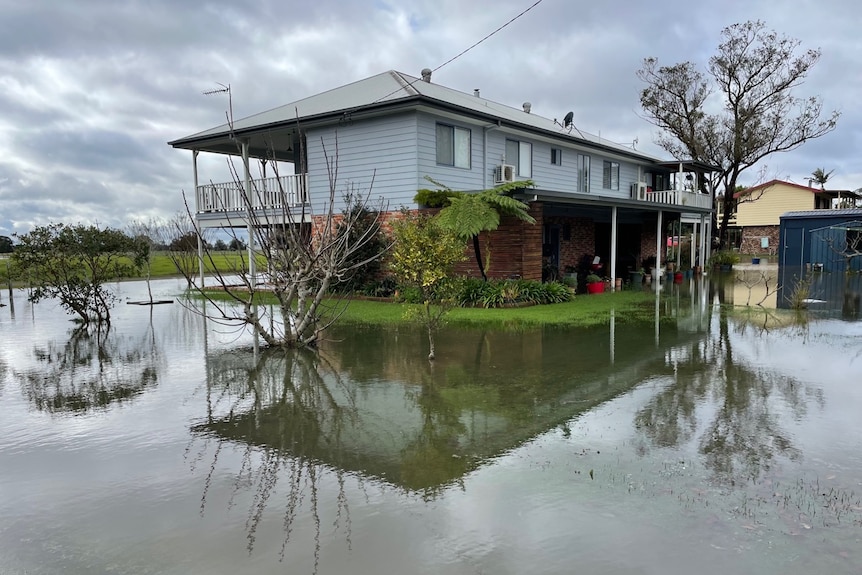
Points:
(455, 57)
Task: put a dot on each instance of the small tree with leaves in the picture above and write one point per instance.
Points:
(423, 256)
(743, 112)
(72, 264)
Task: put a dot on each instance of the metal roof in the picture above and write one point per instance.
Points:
(392, 88)
(850, 212)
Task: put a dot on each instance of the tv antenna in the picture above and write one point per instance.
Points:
(225, 89)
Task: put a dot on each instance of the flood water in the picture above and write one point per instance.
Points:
(702, 441)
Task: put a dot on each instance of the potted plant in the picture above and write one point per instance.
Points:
(595, 284)
(724, 259)
(636, 277)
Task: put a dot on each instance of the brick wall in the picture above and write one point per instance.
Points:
(515, 249)
(751, 235)
(648, 243)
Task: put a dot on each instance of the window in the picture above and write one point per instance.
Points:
(556, 156)
(453, 146)
(583, 174)
(611, 175)
(520, 155)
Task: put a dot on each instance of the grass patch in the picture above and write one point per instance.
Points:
(580, 312)
(161, 264)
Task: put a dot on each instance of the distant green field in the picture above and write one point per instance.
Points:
(161, 264)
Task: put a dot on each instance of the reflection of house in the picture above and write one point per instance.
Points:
(759, 208)
(381, 414)
(592, 196)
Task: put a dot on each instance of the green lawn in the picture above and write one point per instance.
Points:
(584, 310)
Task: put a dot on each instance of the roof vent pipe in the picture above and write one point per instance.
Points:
(527, 107)
(476, 92)
(426, 75)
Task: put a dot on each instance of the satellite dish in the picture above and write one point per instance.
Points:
(567, 121)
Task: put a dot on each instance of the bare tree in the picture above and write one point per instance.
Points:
(297, 255)
(749, 83)
(845, 240)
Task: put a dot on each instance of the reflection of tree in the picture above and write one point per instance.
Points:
(92, 370)
(744, 433)
(290, 413)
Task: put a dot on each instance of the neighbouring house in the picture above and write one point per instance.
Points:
(754, 229)
(592, 197)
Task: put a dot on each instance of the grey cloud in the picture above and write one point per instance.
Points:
(114, 81)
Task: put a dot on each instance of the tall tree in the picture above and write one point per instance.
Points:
(750, 83)
(469, 214)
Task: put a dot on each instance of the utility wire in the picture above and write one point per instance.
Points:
(455, 57)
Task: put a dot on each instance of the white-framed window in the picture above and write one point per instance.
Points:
(556, 156)
(583, 173)
(520, 155)
(611, 175)
(453, 146)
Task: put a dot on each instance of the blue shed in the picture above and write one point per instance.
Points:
(827, 243)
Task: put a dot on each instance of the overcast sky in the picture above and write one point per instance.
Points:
(91, 90)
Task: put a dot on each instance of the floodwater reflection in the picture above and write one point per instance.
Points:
(705, 439)
(92, 369)
(741, 433)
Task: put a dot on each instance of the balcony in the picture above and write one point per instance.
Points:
(679, 198)
(672, 197)
(274, 193)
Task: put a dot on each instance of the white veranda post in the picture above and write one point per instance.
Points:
(252, 267)
(614, 245)
(200, 238)
(658, 246)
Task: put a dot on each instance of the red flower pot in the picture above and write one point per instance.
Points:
(597, 287)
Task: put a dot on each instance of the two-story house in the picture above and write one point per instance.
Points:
(754, 226)
(592, 197)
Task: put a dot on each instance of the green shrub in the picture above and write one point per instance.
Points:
(473, 292)
(433, 198)
(724, 257)
(409, 294)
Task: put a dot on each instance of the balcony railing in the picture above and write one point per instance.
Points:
(678, 198)
(275, 193)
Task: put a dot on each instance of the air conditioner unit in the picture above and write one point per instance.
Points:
(639, 190)
(504, 173)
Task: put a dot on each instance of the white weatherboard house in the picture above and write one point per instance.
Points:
(591, 197)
